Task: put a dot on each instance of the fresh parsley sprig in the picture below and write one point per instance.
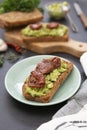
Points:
(18, 5)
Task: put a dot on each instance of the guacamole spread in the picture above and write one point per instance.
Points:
(44, 31)
(49, 80)
(55, 9)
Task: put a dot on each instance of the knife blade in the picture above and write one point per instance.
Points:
(81, 14)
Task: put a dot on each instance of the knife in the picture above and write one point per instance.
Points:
(81, 14)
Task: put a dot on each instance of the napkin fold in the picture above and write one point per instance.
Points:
(71, 122)
(75, 104)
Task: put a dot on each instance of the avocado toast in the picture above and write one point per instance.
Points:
(42, 84)
(37, 32)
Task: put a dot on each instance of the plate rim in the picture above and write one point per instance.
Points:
(37, 103)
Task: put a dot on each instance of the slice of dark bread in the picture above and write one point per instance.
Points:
(15, 36)
(17, 18)
(49, 95)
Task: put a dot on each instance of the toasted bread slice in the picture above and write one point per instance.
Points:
(12, 36)
(16, 36)
(49, 95)
(17, 18)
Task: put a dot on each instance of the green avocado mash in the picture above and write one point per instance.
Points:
(55, 9)
(50, 79)
(44, 31)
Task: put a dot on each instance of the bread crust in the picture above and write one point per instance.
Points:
(27, 39)
(17, 18)
(46, 98)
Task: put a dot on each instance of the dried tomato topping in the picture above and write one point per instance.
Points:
(35, 26)
(52, 25)
(37, 77)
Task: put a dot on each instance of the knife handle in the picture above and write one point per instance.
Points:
(84, 20)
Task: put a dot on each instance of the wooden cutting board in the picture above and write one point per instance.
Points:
(71, 46)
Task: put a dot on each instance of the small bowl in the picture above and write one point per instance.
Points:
(55, 9)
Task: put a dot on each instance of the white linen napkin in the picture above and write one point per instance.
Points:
(71, 122)
(74, 104)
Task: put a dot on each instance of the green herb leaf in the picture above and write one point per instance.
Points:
(11, 56)
(1, 61)
(21, 5)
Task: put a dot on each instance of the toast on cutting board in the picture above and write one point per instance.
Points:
(20, 36)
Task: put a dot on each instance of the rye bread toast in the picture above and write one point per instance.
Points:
(15, 36)
(49, 95)
(17, 18)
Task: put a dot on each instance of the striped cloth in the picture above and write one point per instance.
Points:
(75, 104)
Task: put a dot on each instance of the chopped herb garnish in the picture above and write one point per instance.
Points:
(1, 60)
(11, 56)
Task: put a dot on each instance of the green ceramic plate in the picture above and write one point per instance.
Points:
(18, 73)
